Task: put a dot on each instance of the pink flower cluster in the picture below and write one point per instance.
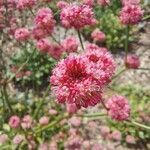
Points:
(133, 2)
(118, 108)
(98, 35)
(22, 34)
(80, 79)
(45, 19)
(88, 2)
(62, 4)
(132, 61)
(131, 14)
(77, 16)
(14, 122)
(23, 4)
(70, 44)
(103, 2)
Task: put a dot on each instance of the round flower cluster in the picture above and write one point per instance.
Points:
(132, 61)
(131, 14)
(23, 4)
(103, 2)
(88, 2)
(22, 34)
(70, 44)
(134, 2)
(80, 79)
(98, 35)
(77, 16)
(14, 122)
(62, 4)
(118, 108)
(45, 19)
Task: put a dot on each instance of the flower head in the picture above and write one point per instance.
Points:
(71, 108)
(18, 139)
(132, 61)
(116, 135)
(62, 4)
(70, 44)
(134, 2)
(22, 34)
(88, 2)
(131, 14)
(44, 120)
(103, 2)
(23, 4)
(3, 138)
(14, 122)
(44, 45)
(45, 19)
(80, 79)
(26, 122)
(77, 16)
(118, 108)
(98, 35)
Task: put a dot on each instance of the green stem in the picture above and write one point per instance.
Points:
(93, 115)
(126, 42)
(139, 125)
(80, 39)
(148, 69)
(52, 124)
(41, 103)
(146, 17)
(119, 73)
(7, 99)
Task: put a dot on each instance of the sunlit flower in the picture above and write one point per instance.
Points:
(118, 108)
(131, 14)
(77, 16)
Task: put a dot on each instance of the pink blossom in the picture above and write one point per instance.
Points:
(23, 4)
(18, 139)
(116, 135)
(14, 122)
(71, 108)
(134, 2)
(131, 14)
(44, 45)
(73, 143)
(88, 2)
(44, 120)
(101, 65)
(22, 34)
(77, 16)
(130, 139)
(28, 73)
(45, 19)
(3, 138)
(80, 79)
(75, 121)
(40, 33)
(43, 146)
(53, 112)
(72, 84)
(70, 44)
(132, 61)
(87, 145)
(56, 51)
(26, 122)
(98, 35)
(104, 131)
(97, 147)
(62, 4)
(119, 108)
(103, 2)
